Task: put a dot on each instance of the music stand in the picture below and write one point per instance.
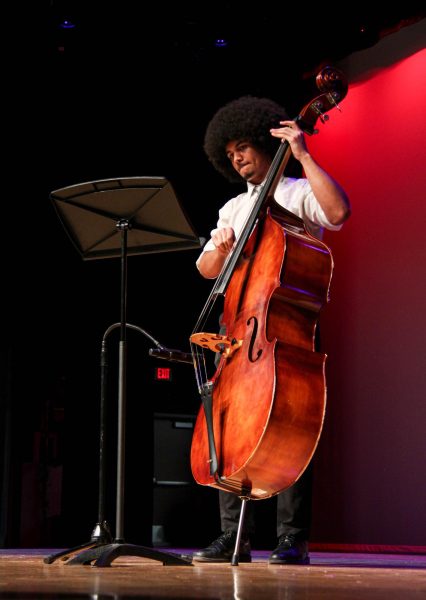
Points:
(105, 219)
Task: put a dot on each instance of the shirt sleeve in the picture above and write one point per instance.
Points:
(314, 212)
(224, 220)
(297, 196)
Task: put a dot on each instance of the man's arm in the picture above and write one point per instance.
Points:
(212, 261)
(331, 197)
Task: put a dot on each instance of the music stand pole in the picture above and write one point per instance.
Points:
(123, 226)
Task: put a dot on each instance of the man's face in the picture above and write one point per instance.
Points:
(248, 161)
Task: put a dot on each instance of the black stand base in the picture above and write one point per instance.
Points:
(101, 535)
(101, 551)
(103, 555)
(66, 554)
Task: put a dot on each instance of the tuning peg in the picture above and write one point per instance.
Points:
(334, 97)
(318, 107)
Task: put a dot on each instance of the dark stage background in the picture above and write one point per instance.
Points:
(129, 93)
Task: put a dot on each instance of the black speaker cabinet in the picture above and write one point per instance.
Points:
(185, 514)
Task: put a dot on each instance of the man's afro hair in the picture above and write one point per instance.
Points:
(247, 118)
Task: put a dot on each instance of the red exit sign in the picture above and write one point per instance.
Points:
(163, 374)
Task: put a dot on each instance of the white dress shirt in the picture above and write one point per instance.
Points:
(293, 194)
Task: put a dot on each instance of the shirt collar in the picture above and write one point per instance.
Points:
(252, 186)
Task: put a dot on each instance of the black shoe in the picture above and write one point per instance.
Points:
(222, 549)
(290, 552)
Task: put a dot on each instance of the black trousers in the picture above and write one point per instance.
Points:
(293, 509)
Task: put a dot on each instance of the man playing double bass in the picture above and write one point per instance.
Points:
(241, 141)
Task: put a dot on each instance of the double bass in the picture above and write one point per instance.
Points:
(263, 408)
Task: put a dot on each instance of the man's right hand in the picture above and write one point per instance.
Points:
(224, 240)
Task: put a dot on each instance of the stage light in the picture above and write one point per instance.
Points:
(67, 24)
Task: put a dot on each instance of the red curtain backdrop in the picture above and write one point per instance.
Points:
(370, 484)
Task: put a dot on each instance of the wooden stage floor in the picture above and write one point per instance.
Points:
(23, 574)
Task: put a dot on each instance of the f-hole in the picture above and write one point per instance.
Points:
(252, 340)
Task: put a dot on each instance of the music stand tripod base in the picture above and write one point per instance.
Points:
(102, 556)
(64, 555)
(101, 536)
